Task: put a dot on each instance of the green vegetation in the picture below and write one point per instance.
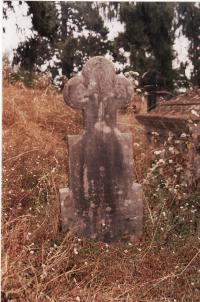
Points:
(149, 37)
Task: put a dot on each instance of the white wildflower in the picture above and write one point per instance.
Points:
(195, 113)
(155, 133)
(183, 135)
(161, 161)
(157, 152)
(171, 149)
(75, 251)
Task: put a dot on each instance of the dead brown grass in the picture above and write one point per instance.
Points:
(41, 264)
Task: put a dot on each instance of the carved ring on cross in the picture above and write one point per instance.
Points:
(98, 78)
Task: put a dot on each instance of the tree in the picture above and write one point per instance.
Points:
(148, 36)
(32, 53)
(71, 31)
(81, 35)
(44, 18)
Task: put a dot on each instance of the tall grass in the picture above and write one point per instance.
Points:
(41, 264)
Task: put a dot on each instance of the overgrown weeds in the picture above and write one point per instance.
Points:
(41, 264)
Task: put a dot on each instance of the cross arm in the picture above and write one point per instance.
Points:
(75, 93)
(124, 91)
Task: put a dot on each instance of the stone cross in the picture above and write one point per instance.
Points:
(104, 201)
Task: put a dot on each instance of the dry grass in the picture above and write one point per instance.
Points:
(39, 263)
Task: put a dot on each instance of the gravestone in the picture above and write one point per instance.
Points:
(104, 201)
(180, 116)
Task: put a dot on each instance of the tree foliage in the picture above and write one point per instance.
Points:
(44, 18)
(148, 36)
(71, 32)
(74, 31)
(81, 34)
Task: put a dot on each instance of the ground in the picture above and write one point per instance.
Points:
(39, 263)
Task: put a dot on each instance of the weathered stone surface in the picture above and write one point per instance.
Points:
(67, 210)
(175, 115)
(105, 197)
(179, 115)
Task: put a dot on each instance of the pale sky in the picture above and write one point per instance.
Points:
(13, 36)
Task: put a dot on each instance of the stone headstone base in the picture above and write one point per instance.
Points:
(128, 225)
